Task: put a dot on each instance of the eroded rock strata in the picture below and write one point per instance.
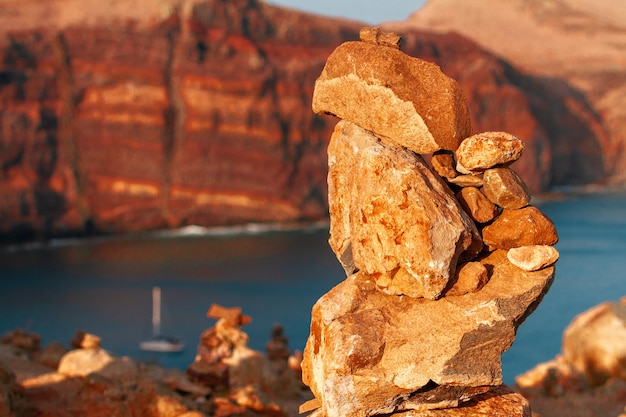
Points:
(443, 261)
(170, 113)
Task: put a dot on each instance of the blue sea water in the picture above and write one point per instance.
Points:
(104, 286)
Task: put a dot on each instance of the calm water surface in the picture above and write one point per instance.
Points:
(104, 287)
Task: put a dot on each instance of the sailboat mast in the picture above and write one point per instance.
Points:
(156, 311)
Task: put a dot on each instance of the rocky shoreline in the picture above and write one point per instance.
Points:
(226, 379)
(83, 379)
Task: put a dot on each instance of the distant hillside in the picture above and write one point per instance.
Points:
(580, 41)
(144, 114)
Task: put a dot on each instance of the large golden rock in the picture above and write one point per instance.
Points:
(369, 352)
(400, 98)
(398, 219)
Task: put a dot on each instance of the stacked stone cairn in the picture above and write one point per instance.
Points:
(443, 261)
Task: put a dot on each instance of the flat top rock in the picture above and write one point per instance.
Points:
(404, 99)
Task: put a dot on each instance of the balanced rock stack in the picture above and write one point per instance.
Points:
(444, 261)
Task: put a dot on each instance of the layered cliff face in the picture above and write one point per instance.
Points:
(200, 118)
(580, 42)
(168, 113)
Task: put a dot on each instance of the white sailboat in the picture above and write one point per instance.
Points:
(159, 342)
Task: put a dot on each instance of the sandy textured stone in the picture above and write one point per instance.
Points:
(477, 205)
(82, 362)
(376, 36)
(340, 156)
(466, 180)
(400, 98)
(399, 218)
(497, 402)
(486, 150)
(533, 258)
(475, 248)
(505, 188)
(470, 277)
(369, 351)
(443, 163)
(523, 227)
(594, 342)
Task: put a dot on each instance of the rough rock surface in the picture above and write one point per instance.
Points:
(503, 187)
(522, 227)
(486, 150)
(149, 114)
(466, 181)
(497, 402)
(393, 213)
(477, 205)
(224, 361)
(40, 390)
(412, 102)
(370, 351)
(83, 362)
(443, 164)
(470, 277)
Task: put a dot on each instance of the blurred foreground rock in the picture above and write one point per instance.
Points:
(226, 379)
(431, 299)
(588, 379)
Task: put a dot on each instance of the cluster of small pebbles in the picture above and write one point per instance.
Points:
(497, 200)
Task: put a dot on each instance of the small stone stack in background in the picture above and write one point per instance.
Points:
(443, 263)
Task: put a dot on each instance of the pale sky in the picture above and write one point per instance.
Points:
(368, 11)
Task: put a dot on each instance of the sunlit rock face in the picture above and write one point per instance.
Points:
(374, 351)
(443, 263)
(358, 85)
(398, 219)
(139, 117)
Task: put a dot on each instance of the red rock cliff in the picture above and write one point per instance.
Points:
(163, 114)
